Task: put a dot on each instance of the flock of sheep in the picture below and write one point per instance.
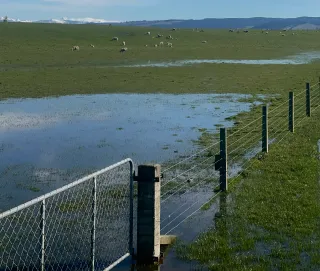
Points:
(124, 49)
(263, 31)
(169, 44)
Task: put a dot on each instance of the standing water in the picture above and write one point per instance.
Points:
(46, 143)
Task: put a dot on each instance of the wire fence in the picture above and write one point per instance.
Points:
(194, 183)
(86, 225)
(91, 223)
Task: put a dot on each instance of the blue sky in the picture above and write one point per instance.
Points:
(122, 10)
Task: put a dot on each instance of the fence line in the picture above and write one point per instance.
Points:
(90, 212)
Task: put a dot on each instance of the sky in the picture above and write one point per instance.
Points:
(130, 10)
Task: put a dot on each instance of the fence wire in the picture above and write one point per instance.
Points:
(187, 185)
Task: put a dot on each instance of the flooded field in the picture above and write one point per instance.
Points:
(46, 143)
(299, 59)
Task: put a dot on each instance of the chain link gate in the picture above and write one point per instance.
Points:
(81, 226)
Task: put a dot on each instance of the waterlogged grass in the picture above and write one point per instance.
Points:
(271, 219)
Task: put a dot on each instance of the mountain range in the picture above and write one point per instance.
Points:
(234, 23)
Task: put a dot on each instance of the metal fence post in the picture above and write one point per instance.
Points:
(291, 112)
(131, 248)
(93, 220)
(148, 235)
(223, 160)
(308, 100)
(265, 143)
(43, 224)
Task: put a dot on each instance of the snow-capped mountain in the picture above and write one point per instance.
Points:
(64, 20)
(15, 20)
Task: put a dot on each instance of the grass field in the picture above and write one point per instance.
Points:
(283, 232)
(272, 216)
(37, 60)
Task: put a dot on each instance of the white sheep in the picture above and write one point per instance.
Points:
(115, 38)
(146, 45)
(161, 43)
(75, 48)
(156, 45)
(124, 43)
(148, 33)
(123, 49)
(92, 45)
(204, 41)
(169, 44)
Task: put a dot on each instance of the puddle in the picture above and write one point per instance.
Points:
(299, 59)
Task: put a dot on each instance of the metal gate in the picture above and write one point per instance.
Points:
(85, 225)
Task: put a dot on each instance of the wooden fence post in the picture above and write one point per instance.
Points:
(265, 143)
(223, 160)
(291, 112)
(148, 228)
(308, 100)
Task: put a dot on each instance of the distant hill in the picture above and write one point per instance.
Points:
(253, 23)
(225, 23)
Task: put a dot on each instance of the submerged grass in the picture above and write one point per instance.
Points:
(271, 219)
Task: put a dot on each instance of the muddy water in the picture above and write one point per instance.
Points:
(45, 143)
(299, 59)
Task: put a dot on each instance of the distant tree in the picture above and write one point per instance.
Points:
(5, 19)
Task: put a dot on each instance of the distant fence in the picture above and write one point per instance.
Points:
(89, 224)
(86, 225)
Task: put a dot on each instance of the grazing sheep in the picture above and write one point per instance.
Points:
(123, 49)
(231, 30)
(75, 48)
(159, 36)
(161, 43)
(148, 33)
(283, 35)
(174, 29)
(115, 38)
(169, 37)
(124, 43)
(92, 45)
(267, 32)
(204, 41)
(156, 45)
(169, 44)
(146, 45)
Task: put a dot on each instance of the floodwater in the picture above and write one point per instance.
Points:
(46, 143)
(299, 59)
